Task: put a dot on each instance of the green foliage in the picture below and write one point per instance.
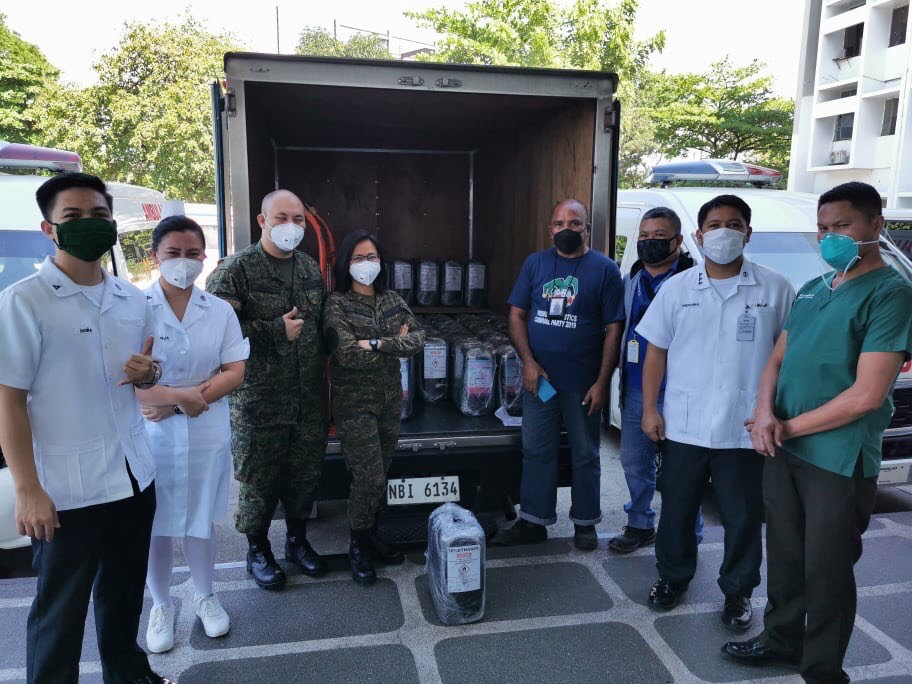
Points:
(318, 41)
(725, 112)
(148, 120)
(24, 71)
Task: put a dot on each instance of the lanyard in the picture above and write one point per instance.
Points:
(572, 275)
(644, 286)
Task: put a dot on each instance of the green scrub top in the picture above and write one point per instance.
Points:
(827, 331)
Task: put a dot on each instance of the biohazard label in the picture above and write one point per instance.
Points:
(463, 568)
(435, 361)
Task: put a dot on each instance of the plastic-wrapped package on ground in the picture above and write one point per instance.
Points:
(402, 280)
(451, 284)
(407, 373)
(476, 284)
(509, 379)
(432, 373)
(456, 565)
(428, 290)
(473, 378)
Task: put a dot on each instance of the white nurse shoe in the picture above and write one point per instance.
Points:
(213, 616)
(160, 632)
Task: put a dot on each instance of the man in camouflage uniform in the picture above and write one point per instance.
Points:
(277, 415)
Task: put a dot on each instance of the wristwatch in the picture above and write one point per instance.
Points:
(177, 410)
(156, 376)
(375, 344)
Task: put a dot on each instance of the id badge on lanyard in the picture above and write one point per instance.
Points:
(557, 307)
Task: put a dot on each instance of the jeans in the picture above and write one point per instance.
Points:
(638, 458)
(541, 440)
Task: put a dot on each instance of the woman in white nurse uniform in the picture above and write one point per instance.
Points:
(188, 424)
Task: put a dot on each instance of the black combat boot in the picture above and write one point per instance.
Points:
(359, 555)
(262, 564)
(299, 551)
(383, 552)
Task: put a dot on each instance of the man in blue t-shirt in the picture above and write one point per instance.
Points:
(659, 255)
(566, 317)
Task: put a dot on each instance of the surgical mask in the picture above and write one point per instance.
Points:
(87, 239)
(286, 236)
(366, 272)
(654, 251)
(723, 245)
(568, 240)
(181, 272)
(840, 251)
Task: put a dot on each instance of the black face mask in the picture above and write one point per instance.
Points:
(568, 240)
(654, 251)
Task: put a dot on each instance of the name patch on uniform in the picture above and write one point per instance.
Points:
(809, 295)
(83, 331)
(688, 304)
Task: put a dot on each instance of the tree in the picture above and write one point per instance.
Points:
(726, 112)
(318, 41)
(24, 73)
(148, 120)
(589, 34)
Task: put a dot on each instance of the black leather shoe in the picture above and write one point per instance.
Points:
(755, 652)
(262, 565)
(585, 537)
(632, 538)
(359, 557)
(385, 553)
(522, 532)
(665, 595)
(737, 613)
(299, 551)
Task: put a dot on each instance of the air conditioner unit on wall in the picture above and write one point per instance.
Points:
(839, 157)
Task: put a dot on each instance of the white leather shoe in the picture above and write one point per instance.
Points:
(160, 632)
(213, 616)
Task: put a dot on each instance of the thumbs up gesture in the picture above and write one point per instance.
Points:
(293, 324)
(140, 368)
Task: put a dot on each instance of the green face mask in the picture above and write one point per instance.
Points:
(86, 239)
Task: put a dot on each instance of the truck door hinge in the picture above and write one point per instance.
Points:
(414, 81)
(448, 83)
(610, 119)
(229, 102)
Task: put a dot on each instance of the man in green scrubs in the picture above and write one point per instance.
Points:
(823, 403)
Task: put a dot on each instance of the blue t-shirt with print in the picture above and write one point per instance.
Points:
(570, 349)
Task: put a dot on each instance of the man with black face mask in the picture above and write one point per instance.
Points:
(74, 341)
(565, 321)
(659, 250)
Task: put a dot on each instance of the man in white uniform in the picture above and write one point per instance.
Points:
(711, 329)
(72, 434)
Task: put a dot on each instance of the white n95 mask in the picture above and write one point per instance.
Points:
(286, 236)
(181, 272)
(723, 245)
(365, 273)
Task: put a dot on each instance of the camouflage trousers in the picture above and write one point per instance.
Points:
(369, 429)
(276, 463)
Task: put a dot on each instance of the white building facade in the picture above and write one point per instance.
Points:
(852, 110)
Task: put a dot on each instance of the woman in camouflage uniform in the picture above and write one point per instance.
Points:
(367, 329)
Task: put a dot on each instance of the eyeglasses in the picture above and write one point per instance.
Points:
(573, 224)
(360, 259)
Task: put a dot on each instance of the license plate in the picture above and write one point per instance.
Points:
(416, 490)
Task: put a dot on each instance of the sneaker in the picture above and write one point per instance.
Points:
(523, 532)
(584, 537)
(632, 538)
(160, 632)
(213, 616)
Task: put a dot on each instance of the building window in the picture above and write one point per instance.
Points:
(898, 25)
(844, 124)
(848, 93)
(851, 43)
(891, 107)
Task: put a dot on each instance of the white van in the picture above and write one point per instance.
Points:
(23, 248)
(784, 238)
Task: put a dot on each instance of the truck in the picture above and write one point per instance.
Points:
(442, 162)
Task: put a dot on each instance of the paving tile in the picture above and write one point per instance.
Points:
(636, 574)
(898, 679)
(14, 621)
(552, 547)
(582, 653)
(547, 590)
(890, 614)
(17, 588)
(703, 657)
(878, 561)
(345, 666)
(301, 612)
